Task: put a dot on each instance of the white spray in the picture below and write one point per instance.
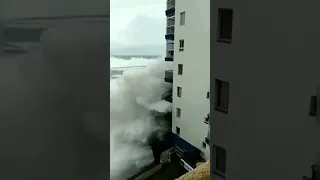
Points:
(133, 99)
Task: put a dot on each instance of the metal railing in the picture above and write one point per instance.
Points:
(168, 74)
(170, 53)
(170, 21)
(167, 96)
(171, 4)
(170, 46)
(170, 30)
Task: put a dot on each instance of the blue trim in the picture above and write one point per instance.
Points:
(182, 144)
(170, 12)
(207, 140)
(168, 58)
(169, 36)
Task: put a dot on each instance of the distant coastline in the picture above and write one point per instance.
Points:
(128, 57)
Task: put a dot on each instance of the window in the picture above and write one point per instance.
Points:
(179, 91)
(177, 130)
(225, 25)
(182, 18)
(313, 106)
(220, 158)
(181, 47)
(222, 96)
(178, 112)
(180, 69)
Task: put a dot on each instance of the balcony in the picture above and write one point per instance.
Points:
(168, 76)
(22, 34)
(170, 33)
(169, 56)
(170, 7)
(170, 45)
(206, 119)
(170, 30)
(170, 21)
(167, 96)
(207, 140)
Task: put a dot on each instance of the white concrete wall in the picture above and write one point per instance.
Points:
(195, 80)
(273, 69)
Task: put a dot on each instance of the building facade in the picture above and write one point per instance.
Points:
(264, 86)
(188, 47)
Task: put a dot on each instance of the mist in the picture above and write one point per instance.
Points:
(46, 97)
(135, 106)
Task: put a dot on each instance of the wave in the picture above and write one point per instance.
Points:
(135, 104)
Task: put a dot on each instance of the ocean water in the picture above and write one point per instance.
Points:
(135, 100)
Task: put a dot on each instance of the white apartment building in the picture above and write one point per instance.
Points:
(188, 47)
(265, 87)
(263, 80)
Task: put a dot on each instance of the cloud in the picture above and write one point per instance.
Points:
(143, 30)
(138, 25)
(139, 50)
(31, 8)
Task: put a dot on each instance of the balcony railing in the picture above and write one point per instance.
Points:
(171, 4)
(168, 76)
(167, 96)
(206, 119)
(20, 34)
(170, 53)
(207, 139)
(170, 21)
(170, 30)
(170, 45)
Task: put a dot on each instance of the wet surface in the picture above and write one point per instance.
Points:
(169, 172)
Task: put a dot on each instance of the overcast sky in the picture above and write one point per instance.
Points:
(137, 27)
(34, 8)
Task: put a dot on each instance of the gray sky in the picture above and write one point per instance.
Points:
(32, 8)
(137, 27)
